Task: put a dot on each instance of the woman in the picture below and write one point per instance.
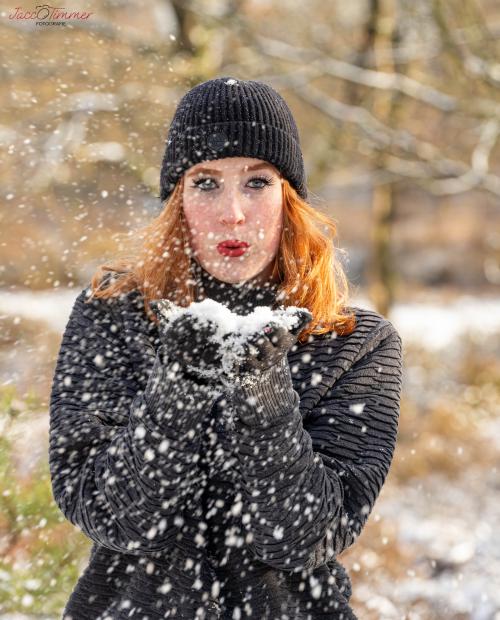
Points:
(232, 496)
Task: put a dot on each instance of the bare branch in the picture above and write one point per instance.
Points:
(367, 77)
(478, 175)
(320, 66)
(383, 137)
(472, 64)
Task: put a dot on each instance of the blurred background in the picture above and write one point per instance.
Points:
(398, 108)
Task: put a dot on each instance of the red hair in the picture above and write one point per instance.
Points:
(309, 272)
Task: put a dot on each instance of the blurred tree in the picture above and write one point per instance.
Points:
(383, 33)
(185, 19)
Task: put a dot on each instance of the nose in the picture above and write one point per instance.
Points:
(232, 212)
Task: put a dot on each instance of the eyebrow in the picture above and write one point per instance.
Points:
(215, 171)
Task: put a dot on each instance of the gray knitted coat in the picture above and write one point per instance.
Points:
(205, 505)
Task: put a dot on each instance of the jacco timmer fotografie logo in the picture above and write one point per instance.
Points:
(47, 15)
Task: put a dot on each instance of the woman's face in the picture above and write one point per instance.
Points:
(234, 199)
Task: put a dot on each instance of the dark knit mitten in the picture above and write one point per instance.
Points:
(262, 389)
(266, 349)
(192, 342)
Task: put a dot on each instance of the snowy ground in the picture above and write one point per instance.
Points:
(52, 306)
(451, 529)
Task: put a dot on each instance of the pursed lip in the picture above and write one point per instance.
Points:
(233, 243)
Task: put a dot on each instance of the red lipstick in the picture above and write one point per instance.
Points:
(232, 247)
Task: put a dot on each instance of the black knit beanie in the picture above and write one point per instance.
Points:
(228, 117)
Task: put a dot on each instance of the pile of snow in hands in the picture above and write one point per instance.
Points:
(232, 331)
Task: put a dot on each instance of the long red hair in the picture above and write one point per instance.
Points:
(309, 272)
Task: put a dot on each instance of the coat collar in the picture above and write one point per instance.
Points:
(240, 298)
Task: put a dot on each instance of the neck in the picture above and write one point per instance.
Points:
(240, 297)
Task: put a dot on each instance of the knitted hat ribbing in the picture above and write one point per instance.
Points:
(227, 117)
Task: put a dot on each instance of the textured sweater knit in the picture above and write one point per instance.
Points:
(202, 505)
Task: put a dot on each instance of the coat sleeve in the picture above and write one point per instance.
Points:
(310, 486)
(123, 462)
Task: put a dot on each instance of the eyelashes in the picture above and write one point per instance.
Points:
(267, 180)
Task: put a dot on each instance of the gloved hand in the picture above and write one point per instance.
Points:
(265, 349)
(190, 341)
(228, 359)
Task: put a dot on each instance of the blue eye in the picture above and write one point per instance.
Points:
(200, 183)
(265, 180)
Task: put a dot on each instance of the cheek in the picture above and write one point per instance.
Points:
(197, 214)
(268, 217)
